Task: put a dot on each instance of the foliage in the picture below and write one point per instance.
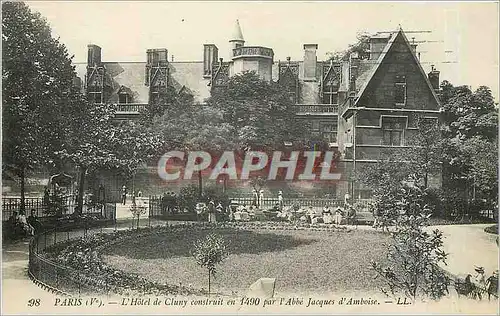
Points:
(426, 152)
(470, 148)
(169, 99)
(188, 197)
(92, 141)
(209, 252)
(259, 112)
(412, 262)
(258, 182)
(214, 193)
(361, 47)
(468, 114)
(37, 75)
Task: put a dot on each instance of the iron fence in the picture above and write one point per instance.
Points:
(57, 278)
(11, 205)
(156, 209)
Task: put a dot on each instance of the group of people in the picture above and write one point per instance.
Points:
(328, 215)
(485, 285)
(20, 225)
(210, 209)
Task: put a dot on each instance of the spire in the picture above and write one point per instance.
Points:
(237, 35)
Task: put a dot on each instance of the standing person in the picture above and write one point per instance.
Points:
(280, 200)
(255, 197)
(347, 200)
(492, 285)
(101, 194)
(124, 194)
(211, 212)
(220, 210)
(261, 198)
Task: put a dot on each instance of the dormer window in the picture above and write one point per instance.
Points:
(123, 98)
(400, 91)
(331, 83)
(124, 95)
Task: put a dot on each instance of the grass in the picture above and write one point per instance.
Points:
(302, 261)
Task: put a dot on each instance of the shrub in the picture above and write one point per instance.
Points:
(413, 258)
(209, 252)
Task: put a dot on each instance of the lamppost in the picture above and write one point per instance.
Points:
(224, 183)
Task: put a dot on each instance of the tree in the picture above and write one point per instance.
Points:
(37, 75)
(469, 147)
(194, 128)
(94, 141)
(361, 47)
(259, 113)
(412, 265)
(168, 100)
(425, 153)
(209, 252)
(467, 114)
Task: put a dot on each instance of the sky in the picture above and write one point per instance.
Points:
(463, 42)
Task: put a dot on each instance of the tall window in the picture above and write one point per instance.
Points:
(329, 132)
(330, 94)
(393, 130)
(400, 90)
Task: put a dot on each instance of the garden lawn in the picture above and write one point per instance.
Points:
(302, 261)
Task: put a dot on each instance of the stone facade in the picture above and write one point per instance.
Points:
(360, 106)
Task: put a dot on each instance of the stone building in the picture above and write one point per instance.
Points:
(359, 106)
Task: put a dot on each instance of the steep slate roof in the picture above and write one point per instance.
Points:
(190, 75)
(370, 71)
(132, 76)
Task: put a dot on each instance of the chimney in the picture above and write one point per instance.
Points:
(94, 55)
(434, 78)
(377, 45)
(210, 56)
(413, 45)
(353, 70)
(310, 60)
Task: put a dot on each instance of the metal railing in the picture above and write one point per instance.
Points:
(253, 51)
(55, 277)
(306, 109)
(130, 108)
(11, 205)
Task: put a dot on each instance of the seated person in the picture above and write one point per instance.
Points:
(34, 222)
(337, 218)
(13, 225)
(22, 220)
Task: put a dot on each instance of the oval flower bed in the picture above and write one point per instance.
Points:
(84, 256)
